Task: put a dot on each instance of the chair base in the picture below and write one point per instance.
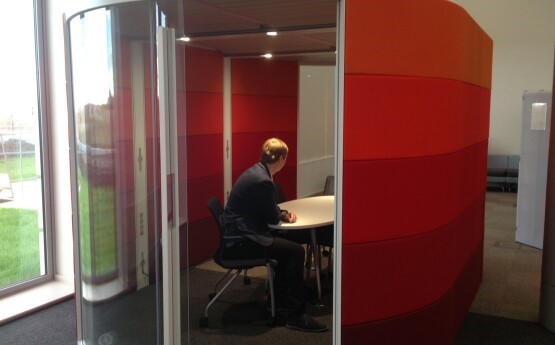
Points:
(213, 296)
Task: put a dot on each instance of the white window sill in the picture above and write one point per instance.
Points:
(35, 298)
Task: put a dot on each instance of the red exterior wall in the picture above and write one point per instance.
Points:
(416, 123)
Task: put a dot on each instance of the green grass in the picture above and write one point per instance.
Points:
(19, 169)
(19, 239)
(98, 229)
(19, 246)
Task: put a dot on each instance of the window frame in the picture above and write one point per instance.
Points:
(45, 148)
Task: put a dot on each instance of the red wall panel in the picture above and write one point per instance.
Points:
(403, 197)
(264, 105)
(388, 121)
(204, 70)
(202, 231)
(207, 110)
(254, 113)
(401, 275)
(264, 77)
(204, 147)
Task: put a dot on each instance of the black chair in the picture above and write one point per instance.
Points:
(231, 265)
(325, 235)
(329, 188)
(279, 195)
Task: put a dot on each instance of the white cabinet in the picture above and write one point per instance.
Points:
(532, 180)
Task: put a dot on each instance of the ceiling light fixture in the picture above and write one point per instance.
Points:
(185, 39)
(271, 33)
(267, 55)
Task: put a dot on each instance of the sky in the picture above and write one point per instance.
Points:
(17, 61)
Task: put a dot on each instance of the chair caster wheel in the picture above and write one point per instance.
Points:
(272, 322)
(203, 322)
(246, 281)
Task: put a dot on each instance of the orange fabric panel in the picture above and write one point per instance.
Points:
(416, 38)
(264, 77)
(204, 70)
(259, 113)
(386, 279)
(393, 198)
(389, 117)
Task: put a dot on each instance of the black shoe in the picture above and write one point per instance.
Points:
(303, 322)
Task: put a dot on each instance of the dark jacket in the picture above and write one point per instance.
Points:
(251, 206)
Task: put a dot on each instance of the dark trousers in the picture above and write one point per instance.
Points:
(289, 280)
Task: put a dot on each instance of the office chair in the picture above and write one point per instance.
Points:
(326, 235)
(231, 265)
(279, 195)
(329, 188)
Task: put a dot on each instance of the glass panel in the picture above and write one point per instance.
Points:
(117, 179)
(22, 234)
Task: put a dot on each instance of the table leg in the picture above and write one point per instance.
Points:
(316, 254)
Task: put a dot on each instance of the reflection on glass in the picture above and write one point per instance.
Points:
(93, 101)
(110, 64)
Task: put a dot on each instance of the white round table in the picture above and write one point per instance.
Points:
(312, 213)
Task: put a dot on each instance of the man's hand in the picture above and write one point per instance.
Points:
(289, 217)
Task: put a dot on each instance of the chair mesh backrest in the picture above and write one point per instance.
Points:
(217, 210)
(329, 188)
(279, 195)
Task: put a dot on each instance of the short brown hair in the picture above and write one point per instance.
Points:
(272, 149)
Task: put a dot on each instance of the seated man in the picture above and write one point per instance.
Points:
(250, 208)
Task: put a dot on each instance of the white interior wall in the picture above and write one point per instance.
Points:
(523, 33)
(315, 139)
(59, 151)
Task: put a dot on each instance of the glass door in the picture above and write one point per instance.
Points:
(124, 154)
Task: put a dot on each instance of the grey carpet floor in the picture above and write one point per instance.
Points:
(238, 318)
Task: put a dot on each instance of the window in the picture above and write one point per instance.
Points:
(24, 232)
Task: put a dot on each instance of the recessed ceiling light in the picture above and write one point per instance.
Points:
(267, 55)
(271, 33)
(185, 39)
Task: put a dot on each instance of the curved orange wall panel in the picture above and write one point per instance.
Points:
(423, 38)
(264, 105)
(416, 124)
